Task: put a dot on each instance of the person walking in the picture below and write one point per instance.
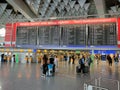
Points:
(82, 63)
(44, 65)
(56, 61)
(89, 60)
(116, 58)
(109, 60)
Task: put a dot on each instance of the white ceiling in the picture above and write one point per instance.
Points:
(27, 10)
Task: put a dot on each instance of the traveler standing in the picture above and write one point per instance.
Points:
(44, 65)
(26, 59)
(89, 60)
(73, 59)
(56, 62)
(2, 57)
(82, 63)
(116, 58)
(69, 59)
(109, 60)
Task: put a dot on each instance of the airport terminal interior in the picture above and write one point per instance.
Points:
(59, 44)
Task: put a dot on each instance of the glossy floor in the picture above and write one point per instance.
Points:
(28, 77)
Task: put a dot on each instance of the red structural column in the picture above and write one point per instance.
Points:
(14, 35)
(118, 32)
(8, 34)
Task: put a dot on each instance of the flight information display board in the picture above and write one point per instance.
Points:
(32, 35)
(44, 36)
(73, 35)
(111, 34)
(102, 34)
(22, 36)
(49, 35)
(26, 36)
(81, 35)
(68, 35)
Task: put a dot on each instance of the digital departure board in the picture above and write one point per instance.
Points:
(26, 36)
(102, 34)
(68, 35)
(22, 36)
(96, 34)
(55, 35)
(73, 35)
(111, 34)
(49, 35)
(81, 35)
(44, 36)
(32, 36)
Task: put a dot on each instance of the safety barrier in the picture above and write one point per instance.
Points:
(102, 84)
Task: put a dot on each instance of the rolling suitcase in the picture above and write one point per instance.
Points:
(86, 69)
(50, 70)
(78, 70)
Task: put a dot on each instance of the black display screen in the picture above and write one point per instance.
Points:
(102, 34)
(69, 35)
(73, 35)
(49, 35)
(26, 36)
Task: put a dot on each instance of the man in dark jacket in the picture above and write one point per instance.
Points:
(82, 63)
(109, 60)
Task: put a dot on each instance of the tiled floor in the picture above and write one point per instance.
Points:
(28, 77)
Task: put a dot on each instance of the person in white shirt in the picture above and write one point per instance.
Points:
(56, 62)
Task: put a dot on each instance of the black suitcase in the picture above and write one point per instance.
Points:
(86, 69)
(78, 70)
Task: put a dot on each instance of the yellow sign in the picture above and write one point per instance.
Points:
(1, 50)
(60, 51)
(15, 50)
(29, 50)
(38, 51)
(21, 50)
(45, 51)
(7, 49)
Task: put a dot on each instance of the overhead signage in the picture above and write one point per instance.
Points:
(67, 22)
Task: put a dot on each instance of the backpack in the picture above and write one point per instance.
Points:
(81, 61)
(90, 60)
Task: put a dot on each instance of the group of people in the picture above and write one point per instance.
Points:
(48, 65)
(28, 59)
(84, 62)
(7, 58)
(115, 59)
